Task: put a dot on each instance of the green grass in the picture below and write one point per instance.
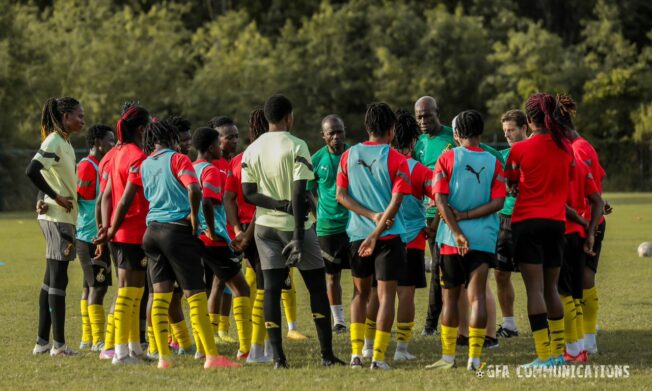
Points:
(625, 335)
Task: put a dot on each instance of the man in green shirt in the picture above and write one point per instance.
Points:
(331, 216)
(435, 140)
(515, 129)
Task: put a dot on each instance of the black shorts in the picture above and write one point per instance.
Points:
(505, 246)
(455, 270)
(222, 262)
(592, 260)
(414, 274)
(336, 251)
(97, 273)
(129, 256)
(385, 263)
(539, 241)
(571, 275)
(174, 255)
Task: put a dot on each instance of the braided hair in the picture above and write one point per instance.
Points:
(379, 119)
(468, 123)
(182, 124)
(543, 110)
(133, 116)
(52, 115)
(161, 133)
(257, 124)
(567, 108)
(406, 130)
(97, 132)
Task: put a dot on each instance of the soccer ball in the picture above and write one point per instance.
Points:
(645, 249)
(479, 373)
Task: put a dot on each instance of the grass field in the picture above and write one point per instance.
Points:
(625, 336)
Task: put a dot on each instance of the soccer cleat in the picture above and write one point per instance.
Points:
(490, 343)
(368, 352)
(152, 356)
(85, 345)
(462, 340)
(429, 332)
(127, 360)
(259, 359)
(593, 349)
(62, 351)
(382, 365)
(199, 356)
(295, 335)
(173, 345)
(403, 356)
(558, 361)
(241, 356)
(190, 352)
(98, 347)
(442, 364)
(356, 362)
(41, 349)
(339, 329)
(506, 333)
(470, 366)
(331, 361)
(580, 358)
(281, 363)
(220, 362)
(107, 354)
(165, 363)
(538, 363)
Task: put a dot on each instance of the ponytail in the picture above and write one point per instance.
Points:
(52, 115)
(133, 116)
(542, 109)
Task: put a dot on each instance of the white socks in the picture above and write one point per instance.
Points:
(508, 323)
(338, 314)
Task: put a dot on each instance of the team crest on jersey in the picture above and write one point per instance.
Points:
(143, 262)
(448, 148)
(100, 277)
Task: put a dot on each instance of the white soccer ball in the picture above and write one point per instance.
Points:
(645, 249)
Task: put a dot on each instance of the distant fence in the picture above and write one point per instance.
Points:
(628, 166)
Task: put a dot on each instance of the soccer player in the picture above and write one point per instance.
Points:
(584, 152)
(331, 216)
(97, 272)
(126, 233)
(275, 170)
(240, 215)
(436, 139)
(52, 171)
(371, 182)
(212, 220)
(469, 189)
(515, 129)
(171, 187)
(539, 169)
(413, 211)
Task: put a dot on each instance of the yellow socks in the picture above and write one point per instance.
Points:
(96, 317)
(542, 344)
(404, 332)
(557, 345)
(357, 338)
(215, 322)
(448, 342)
(223, 325)
(134, 329)
(109, 338)
(250, 278)
(476, 341)
(381, 342)
(160, 322)
(87, 336)
(579, 322)
(570, 320)
(289, 299)
(242, 313)
(258, 331)
(151, 339)
(590, 310)
(180, 333)
(199, 317)
(122, 319)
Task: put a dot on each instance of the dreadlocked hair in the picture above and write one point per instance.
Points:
(542, 109)
(161, 133)
(406, 130)
(181, 124)
(468, 123)
(257, 124)
(97, 132)
(133, 116)
(52, 115)
(566, 108)
(379, 119)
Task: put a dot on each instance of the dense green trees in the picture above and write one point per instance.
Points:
(220, 57)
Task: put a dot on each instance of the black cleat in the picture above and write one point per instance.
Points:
(331, 360)
(462, 340)
(339, 329)
(281, 363)
(490, 343)
(506, 333)
(428, 332)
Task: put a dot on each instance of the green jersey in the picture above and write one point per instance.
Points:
(427, 150)
(498, 155)
(509, 200)
(331, 216)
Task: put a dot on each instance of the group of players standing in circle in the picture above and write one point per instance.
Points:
(176, 228)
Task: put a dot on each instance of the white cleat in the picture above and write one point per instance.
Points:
(62, 351)
(41, 349)
(127, 360)
(368, 353)
(85, 345)
(259, 359)
(403, 356)
(382, 365)
(98, 347)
